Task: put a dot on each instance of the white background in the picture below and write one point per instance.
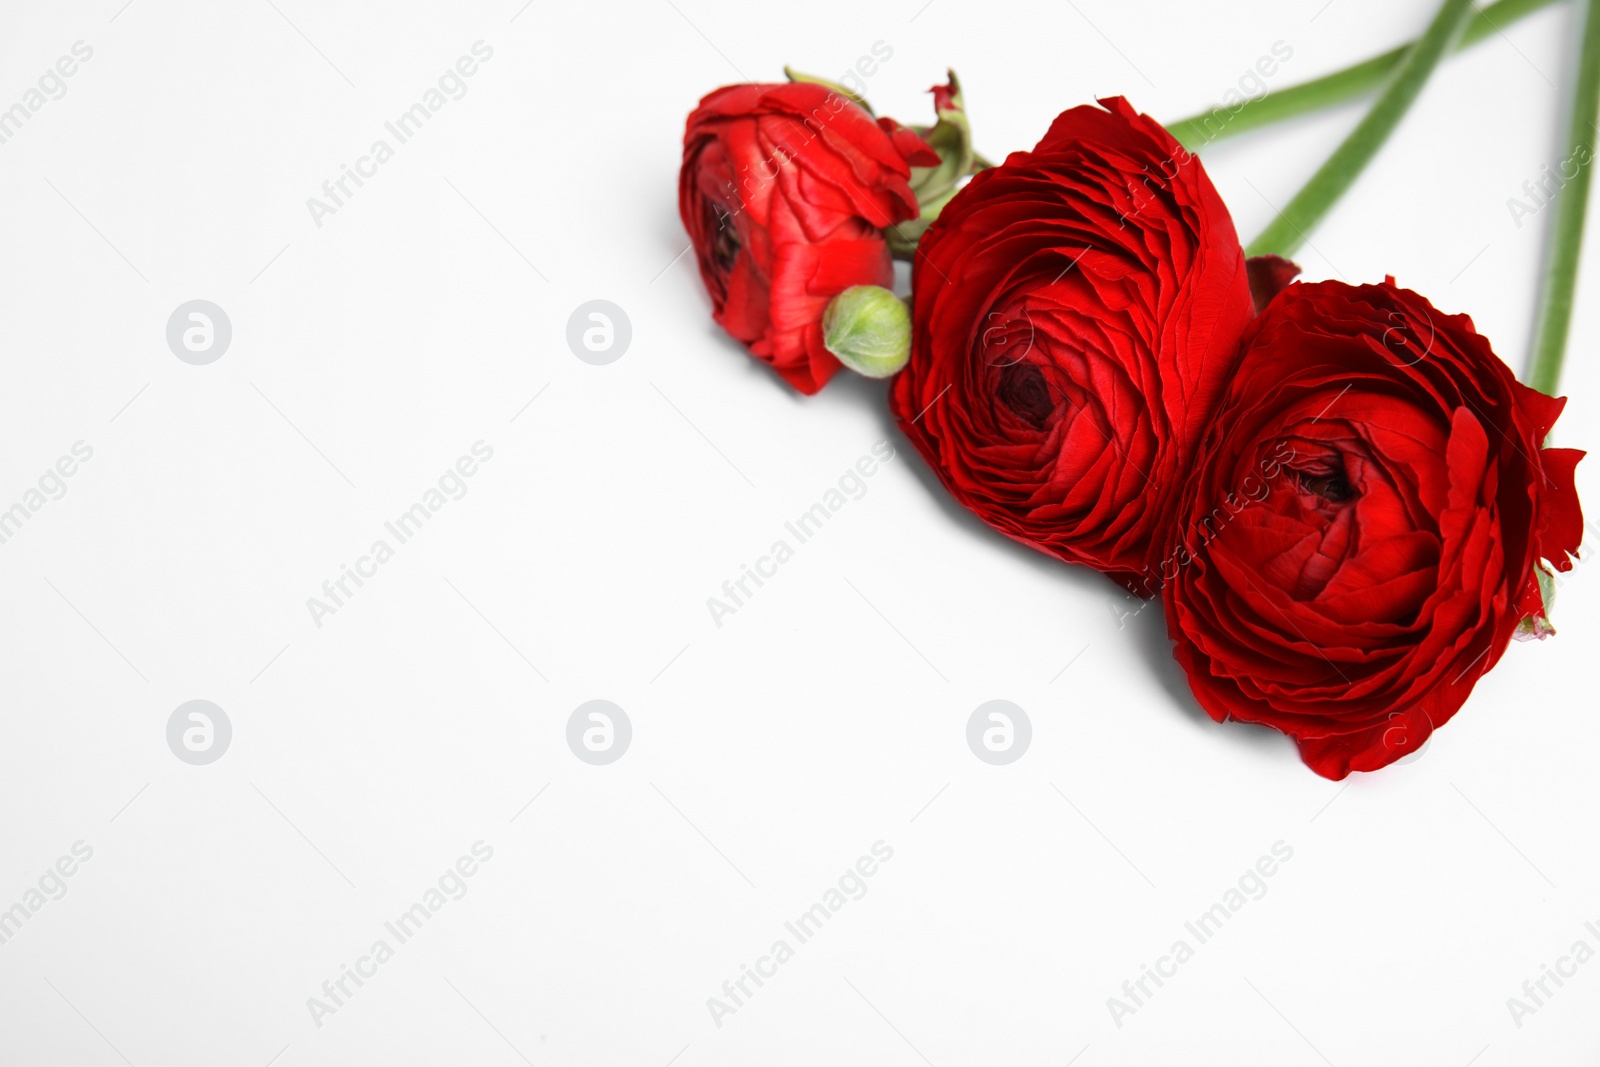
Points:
(827, 714)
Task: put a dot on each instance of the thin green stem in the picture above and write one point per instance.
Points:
(1224, 120)
(1571, 206)
(1288, 231)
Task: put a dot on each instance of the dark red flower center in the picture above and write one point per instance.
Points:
(725, 246)
(1023, 389)
(1329, 483)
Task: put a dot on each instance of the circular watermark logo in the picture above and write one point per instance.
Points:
(999, 732)
(598, 332)
(599, 732)
(199, 732)
(1400, 734)
(199, 332)
(1413, 757)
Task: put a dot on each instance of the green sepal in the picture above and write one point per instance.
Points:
(951, 138)
(812, 79)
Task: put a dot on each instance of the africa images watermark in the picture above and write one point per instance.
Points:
(52, 85)
(336, 592)
(451, 85)
(451, 885)
(1253, 489)
(1252, 885)
(753, 178)
(736, 992)
(1537, 992)
(51, 886)
(52, 485)
(1251, 88)
(1541, 192)
(802, 528)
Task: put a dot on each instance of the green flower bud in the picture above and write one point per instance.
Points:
(869, 329)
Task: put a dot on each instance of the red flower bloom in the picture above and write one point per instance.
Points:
(785, 191)
(1076, 314)
(1360, 536)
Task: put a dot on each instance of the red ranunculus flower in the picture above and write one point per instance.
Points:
(1360, 538)
(785, 191)
(1076, 314)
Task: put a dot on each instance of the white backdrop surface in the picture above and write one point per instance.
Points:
(422, 723)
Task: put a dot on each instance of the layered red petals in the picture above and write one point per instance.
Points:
(1341, 494)
(1360, 536)
(1076, 314)
(785, 191)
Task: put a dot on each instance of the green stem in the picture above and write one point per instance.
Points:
(1200, 130)
(1288, 231)
(1566, 228)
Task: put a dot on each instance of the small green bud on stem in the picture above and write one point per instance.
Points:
(869, 329)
